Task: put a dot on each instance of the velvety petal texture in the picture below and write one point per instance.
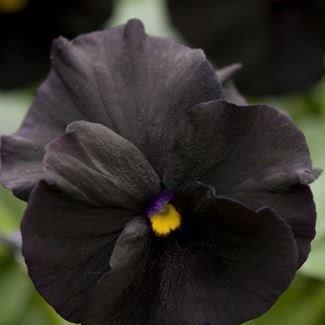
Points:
(156, 197)
(67, 247)
(27, 30)
(280, 43)
(232, 272)
(110, 300)
(95, 165)
(202, 280)
(224, 146)
(137, 85)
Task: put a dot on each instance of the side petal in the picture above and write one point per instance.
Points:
(251, 153)
(67, 247)
(95, 165)
(139, 86)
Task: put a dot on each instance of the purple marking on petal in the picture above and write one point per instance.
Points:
(158, 203)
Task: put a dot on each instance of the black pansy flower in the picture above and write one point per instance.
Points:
(134, 165)
(27, 28)
(281, 43)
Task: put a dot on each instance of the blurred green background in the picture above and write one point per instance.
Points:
(302, 304)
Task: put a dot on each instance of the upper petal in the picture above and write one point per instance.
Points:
(139, 86)
(252, 153)
(95, 165)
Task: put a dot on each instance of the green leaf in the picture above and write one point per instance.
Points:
(11, 210)
(13, 107)
(314, 129)
(20, 303)
(14, 292)
(315, 265)
(302, 304)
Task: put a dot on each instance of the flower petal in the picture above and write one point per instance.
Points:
(95, 165)
(67, 247)
(296, 206)
(231, 92)
(251, 153)
(110, 302)
(227, 73)
(139, 86)
(232, 271)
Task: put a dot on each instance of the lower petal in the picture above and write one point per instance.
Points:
(233, 272)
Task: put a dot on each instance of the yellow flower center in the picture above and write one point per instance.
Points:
(12, 6)
(166, 220)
